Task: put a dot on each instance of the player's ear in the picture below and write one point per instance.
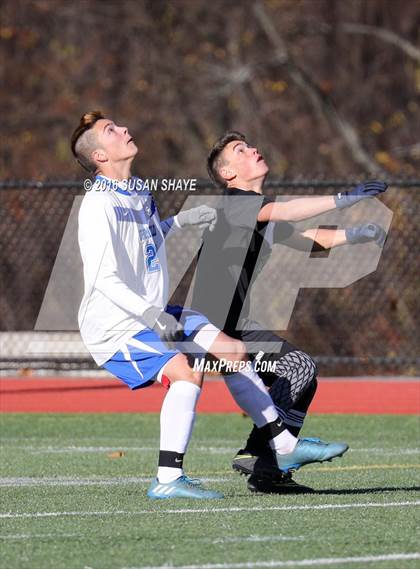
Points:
(99, 155)
(226, 173)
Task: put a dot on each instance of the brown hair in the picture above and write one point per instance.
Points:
(81, 144)
(214, 161)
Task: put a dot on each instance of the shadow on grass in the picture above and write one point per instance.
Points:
(376, 490)
(333, 492)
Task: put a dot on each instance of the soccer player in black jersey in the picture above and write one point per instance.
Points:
(232, 257)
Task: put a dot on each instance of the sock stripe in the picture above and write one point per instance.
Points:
(281, 413)
(293, 423)
(296, 414)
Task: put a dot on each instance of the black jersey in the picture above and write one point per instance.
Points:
(232, 256)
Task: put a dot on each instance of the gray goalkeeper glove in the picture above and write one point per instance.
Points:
(165, 325)
(364, 190)
(365, 233)
(203, 216)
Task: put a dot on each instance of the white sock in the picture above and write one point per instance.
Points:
(176, 423)
(284, 443)
(250, 393)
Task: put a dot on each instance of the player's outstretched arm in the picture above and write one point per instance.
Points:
(362, 191)
(321, 239)
(304, 208)
(329, 238)
(202, 216)
(365, 233)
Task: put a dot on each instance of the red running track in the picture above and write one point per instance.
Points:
(62, 395)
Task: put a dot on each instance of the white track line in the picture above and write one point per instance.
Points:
(10, 515)
(298, 563)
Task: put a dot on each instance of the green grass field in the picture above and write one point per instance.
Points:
(66, 504)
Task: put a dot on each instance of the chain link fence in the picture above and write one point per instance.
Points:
(370, 327)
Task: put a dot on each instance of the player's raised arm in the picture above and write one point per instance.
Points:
(304, 208)
(202, 216)
(296, 209)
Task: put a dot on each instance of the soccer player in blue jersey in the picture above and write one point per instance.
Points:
(125, 320)
(232, 256)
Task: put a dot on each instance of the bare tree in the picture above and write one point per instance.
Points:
(386, 35)
(319, 100)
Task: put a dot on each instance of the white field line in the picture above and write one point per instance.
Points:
(118, 440)
(21, 481)
(408, 466)
(387, 451)
(11, 515)
(225, 476)
(85, 449)
(75, 481)
(292, 563)
(254, 539)
(222, 540)
(54, 536)
(205, 449)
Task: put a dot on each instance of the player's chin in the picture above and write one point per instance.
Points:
(263, 169)
(133, 150)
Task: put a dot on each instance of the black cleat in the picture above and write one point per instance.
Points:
(264, 465)
(280, 484)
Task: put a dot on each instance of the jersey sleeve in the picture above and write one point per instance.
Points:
(98, 243)
(170, 224)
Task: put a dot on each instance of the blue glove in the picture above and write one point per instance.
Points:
(362, 191)
(365, 233)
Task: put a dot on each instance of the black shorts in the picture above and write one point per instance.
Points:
(257, 340)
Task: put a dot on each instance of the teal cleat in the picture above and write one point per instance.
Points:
(193, 481)
(182, 487)
(308, 451)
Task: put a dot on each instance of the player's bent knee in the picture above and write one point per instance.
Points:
(241, 353)
(236, 351)
(308, 367)
(178, 369)
(229, 349)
